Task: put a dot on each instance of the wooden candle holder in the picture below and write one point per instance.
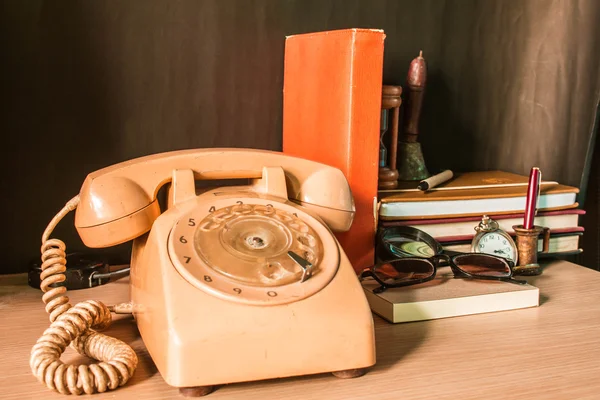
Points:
(390, 103)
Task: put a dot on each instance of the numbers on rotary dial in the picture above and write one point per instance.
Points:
(221, 221)
(240, 208)
(496, 244)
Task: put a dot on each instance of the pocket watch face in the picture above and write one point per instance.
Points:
(253, 250)
(497, 243)
(490, 239)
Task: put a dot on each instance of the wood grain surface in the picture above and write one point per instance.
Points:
(547, 352)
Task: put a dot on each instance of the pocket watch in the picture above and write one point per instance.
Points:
(490, 239)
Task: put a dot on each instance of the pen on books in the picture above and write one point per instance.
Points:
(435, 180)
(533, 189)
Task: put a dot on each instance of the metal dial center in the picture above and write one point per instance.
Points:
(255, 242)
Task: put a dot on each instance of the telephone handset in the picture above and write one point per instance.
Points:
(236, 272)
(119, 203)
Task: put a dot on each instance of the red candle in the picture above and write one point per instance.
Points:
(535, 177)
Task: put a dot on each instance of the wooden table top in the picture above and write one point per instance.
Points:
(547, 352)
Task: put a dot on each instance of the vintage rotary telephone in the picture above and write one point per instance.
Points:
(239, 283)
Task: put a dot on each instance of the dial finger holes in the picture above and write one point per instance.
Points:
(223, 214)
(273, 271)
(241, 209)
(218, 220)
(209, 225)
(283, 217)
(309, 256)
(240, 250)
(267, 210)
(307, 240)
(298, 226)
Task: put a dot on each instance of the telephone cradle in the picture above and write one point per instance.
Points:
(232, 284)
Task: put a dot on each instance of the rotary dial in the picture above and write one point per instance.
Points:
(254, 251)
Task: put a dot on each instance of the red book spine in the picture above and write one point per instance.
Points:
(466, 238)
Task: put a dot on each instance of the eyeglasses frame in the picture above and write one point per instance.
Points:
(435, 262)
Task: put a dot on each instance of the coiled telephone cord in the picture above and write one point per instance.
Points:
(76, 326)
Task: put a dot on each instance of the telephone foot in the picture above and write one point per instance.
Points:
(196, 391)
(350, 373)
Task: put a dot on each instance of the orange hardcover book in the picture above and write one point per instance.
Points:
(331, 114)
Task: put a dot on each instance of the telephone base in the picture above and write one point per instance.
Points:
(197, 391)
(194, 333)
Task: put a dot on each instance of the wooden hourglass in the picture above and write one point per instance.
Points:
(390, 114)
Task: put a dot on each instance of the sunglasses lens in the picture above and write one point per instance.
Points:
(404, 270)
(482, 265)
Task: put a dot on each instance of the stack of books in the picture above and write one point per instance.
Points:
(451, 211)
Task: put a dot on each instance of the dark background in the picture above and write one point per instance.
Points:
(86, 84)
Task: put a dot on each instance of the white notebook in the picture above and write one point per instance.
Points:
(446, 296)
